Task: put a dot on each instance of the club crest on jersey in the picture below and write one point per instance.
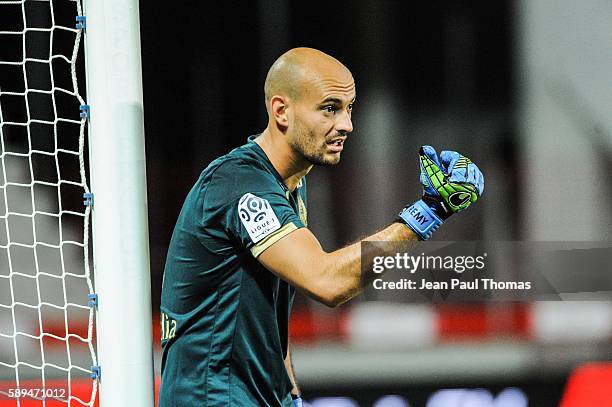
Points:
(257, 216)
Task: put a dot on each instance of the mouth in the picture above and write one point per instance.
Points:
(336, 145)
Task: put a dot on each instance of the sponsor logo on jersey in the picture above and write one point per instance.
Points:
(257, 216)
(168, 327)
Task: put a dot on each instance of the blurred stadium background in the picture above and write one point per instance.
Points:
(522, 87)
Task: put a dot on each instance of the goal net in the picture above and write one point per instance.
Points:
(47, 303)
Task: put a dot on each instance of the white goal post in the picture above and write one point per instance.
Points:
(118, 183)
(52, 287)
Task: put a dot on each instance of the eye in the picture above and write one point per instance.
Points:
(350, 107)
(329, 109)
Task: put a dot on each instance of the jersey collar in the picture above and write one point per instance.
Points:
(264, 157)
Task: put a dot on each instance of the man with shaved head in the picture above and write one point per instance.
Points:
(241, 246)
(298, 80)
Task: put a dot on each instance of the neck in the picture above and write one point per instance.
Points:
(287, 162)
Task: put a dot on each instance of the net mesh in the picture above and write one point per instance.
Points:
(46, 322)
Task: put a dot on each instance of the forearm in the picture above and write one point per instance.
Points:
(344, 270)
(330, 278)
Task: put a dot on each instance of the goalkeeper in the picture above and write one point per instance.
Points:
(241, 246)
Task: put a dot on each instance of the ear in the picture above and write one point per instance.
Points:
(278, 110)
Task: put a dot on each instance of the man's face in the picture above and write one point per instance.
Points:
(321, 118)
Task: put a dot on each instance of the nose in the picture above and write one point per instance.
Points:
(344, 123)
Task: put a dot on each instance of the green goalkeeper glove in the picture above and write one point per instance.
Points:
(450, 183)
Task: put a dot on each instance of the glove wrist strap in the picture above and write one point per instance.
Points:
(421, 219)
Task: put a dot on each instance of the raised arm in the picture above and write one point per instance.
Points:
(330, 278)
(451, 184)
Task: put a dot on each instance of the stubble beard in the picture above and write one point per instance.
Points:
(305, 143)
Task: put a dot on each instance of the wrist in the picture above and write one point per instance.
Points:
(421, 218)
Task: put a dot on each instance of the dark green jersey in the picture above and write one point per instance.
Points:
(224, 316)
